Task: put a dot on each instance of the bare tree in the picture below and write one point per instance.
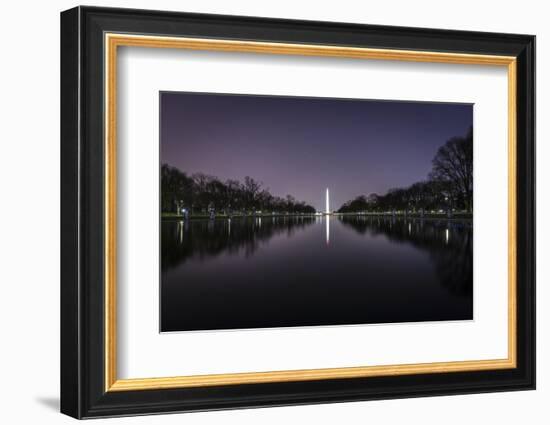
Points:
(251, 190)
(453, 163)
(177, 189)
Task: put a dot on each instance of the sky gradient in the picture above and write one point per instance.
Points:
(302, 145)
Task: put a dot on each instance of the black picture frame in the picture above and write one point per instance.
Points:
(83, 392)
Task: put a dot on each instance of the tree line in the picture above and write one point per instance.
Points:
(449, 185)
(204, 194)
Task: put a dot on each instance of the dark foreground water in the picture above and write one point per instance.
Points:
(304, 271)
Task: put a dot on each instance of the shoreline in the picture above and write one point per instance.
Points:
(402, 215)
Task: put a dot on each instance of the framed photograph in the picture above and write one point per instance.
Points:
(261, 212)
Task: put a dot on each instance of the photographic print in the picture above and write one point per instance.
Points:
(279, 211)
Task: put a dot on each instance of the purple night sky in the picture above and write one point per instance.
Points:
(300, 146)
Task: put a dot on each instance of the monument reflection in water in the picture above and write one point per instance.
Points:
(260, 272)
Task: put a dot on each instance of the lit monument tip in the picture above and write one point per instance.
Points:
(327, 221)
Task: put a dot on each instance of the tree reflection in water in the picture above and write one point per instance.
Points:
(202, 239)
(449, 243)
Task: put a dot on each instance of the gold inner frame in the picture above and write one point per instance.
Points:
(113, 41)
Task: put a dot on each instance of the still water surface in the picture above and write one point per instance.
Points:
(305, 271)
